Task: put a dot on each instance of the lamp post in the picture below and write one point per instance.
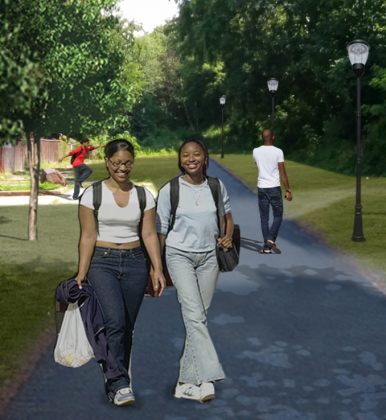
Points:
(273, 84)
(222, 103)
(358, 52)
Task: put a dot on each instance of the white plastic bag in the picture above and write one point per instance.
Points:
(72, 347)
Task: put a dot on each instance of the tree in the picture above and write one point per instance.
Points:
(302, 44)
(80, 50)
(19, 76)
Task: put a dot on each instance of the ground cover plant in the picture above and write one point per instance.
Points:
(23, 186)
(325, 200)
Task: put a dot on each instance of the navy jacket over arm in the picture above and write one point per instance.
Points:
(69, 292)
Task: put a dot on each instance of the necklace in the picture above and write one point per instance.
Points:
(196, 199)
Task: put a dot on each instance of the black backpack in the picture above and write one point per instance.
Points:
(73, 157)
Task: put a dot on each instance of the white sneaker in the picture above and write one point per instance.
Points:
(189, 391)
(124, 396)
(207, 391)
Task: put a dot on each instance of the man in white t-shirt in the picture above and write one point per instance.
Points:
(270, 162)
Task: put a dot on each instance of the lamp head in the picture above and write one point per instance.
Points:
(273, 84)
(358, 52)
(222, 100)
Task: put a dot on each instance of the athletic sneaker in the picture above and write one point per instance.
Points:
(124, 396)
(189, 391)
(207, 391)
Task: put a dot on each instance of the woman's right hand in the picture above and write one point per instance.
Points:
(80, 278)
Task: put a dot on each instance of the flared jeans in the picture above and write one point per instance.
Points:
(195, 275)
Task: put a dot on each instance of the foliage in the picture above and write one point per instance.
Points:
(83, 52)
(302, 44)
(19, 76)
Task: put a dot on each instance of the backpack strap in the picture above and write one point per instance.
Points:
(214, 185)
(97, 199)
(142, 200)
(174, 199)
(142, 205)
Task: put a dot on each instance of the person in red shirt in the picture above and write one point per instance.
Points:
(82, 171)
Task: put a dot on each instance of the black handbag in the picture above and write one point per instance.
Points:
(227, 258)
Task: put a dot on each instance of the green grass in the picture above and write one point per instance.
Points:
(30, 273)
(325, 201)
(27, 186)
(158, 170)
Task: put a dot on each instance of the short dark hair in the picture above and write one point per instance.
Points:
(84, 140)
(199, 142)
(114, 146)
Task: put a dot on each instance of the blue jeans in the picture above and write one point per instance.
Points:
(82, 172)
(119, 279)
(273, 197)
(195, 275)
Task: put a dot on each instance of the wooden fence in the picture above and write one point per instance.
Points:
(14, 158)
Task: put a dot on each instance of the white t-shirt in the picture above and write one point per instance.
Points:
(195, 227)
(117, 224)
(267, 159)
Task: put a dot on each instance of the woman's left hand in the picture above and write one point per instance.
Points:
(225, 242)
(159, 283)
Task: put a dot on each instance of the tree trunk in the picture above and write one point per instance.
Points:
(188, 117)
(33, 162)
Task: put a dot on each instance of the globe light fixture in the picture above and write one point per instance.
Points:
(358, 52)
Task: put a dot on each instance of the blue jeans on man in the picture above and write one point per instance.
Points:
(270, 197)
(82, 172)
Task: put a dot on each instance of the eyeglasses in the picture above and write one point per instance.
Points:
(119, 164)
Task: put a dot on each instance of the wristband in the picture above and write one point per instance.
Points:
(229, 237)
(288, 191)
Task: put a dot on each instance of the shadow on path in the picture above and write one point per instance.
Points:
(251, 244)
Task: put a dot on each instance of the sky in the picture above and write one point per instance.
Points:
(150, 13)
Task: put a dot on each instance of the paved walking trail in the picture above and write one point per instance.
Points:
(300, 336)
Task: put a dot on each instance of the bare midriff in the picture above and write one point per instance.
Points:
(127, 245)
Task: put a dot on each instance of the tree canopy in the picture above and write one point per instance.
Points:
(77, 55)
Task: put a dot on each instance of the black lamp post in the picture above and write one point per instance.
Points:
(358, 51)
(273, 84)
(222, 103)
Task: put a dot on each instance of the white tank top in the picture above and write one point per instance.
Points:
(117, 224)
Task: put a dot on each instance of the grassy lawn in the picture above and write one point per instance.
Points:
(27, 186)
(158, 170)
(326, 200)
